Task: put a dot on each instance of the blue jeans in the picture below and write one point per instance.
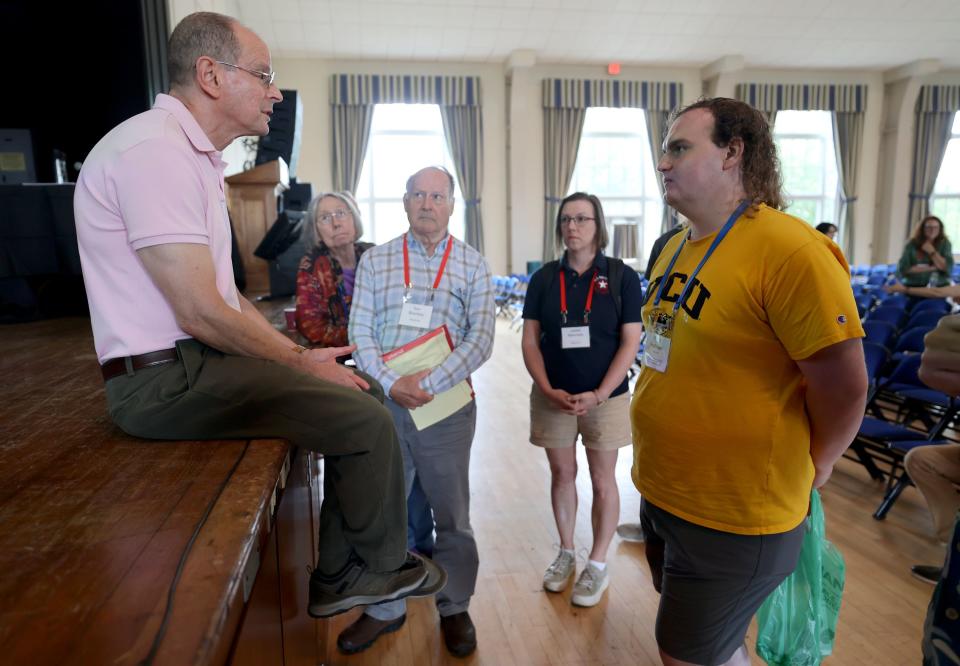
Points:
(419, 521)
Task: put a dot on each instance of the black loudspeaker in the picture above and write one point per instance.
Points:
(298, 196)
(285, 129)
(283, 269)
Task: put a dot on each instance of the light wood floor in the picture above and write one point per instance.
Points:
(518, 623)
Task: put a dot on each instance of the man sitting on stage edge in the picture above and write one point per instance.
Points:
(185, 356)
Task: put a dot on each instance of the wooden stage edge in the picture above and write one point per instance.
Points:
(94, 523)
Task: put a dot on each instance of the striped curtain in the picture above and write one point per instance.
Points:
(463, 128)
(351, 133)
(565, 102)
(656, 133)
(848, 140)
(561, 138)
(936, 106)
(848, 104)
(353, 97)
(804, 97)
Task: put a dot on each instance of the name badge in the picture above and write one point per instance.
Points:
(656, 352)
(575, 337)
(656, 348)
(417, 316)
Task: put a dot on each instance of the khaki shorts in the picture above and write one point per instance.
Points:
(604, 428)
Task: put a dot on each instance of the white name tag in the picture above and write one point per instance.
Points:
(574, 337)
(656, 352)
(417, 316)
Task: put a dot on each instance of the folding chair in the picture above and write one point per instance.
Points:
(922, 416)
(879, 332)
(892, 314)
(928, 318)
(896, 300)
(910, 341)
(933, 304)
(876, 357)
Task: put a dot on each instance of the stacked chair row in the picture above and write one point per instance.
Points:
(902, 413)
(509, 294)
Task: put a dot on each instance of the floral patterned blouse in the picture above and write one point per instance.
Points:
(323, 304)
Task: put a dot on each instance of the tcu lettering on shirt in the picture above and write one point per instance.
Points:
(695, 300)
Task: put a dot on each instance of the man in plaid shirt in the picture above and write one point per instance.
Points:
(405, 288)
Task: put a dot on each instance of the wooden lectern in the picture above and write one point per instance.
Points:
(253, 207)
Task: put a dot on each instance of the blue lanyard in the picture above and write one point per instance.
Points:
(734, 216)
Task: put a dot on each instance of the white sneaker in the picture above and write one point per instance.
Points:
(632, 532)
(590, 586)
(560, 572)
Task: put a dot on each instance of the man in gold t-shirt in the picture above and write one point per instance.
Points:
(753, 383)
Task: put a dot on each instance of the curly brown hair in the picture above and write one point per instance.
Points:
(919, 237)
(760, 165)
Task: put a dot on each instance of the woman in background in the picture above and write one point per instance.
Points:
(927, 259)
(828, 229)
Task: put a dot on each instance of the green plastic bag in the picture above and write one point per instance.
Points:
(798, 621)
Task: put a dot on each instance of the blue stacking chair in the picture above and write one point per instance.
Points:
(922, 415)
(876, 357)
(875, 281)
(932, 305)
(879, 332)
(894, 315)
(896, 300)
(928, 318)
(910, 341)
(899, 479)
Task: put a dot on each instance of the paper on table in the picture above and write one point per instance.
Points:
(429, 351)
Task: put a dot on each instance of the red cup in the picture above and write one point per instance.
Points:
(291, 315)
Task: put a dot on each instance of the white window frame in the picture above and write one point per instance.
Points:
(642, 198)
(954, 230)
(828, 151)
(369, 203)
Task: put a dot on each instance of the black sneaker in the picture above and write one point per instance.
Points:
(926, 573)
(356, 585)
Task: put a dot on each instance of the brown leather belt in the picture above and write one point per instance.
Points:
(118, 366)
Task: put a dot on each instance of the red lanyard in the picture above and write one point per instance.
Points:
(406, 264)
(563, 298)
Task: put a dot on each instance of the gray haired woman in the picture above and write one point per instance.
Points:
(325, 276)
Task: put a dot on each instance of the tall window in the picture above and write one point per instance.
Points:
(808, 160)
(614, 162)
(945, 200)
(403, 139)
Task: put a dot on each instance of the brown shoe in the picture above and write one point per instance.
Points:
(365, 631)
(459, 634)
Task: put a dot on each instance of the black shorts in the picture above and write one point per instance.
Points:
(712, 582)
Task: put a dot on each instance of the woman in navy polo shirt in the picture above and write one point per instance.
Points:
(578, 343)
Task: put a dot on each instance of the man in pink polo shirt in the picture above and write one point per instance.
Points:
(186, 356)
